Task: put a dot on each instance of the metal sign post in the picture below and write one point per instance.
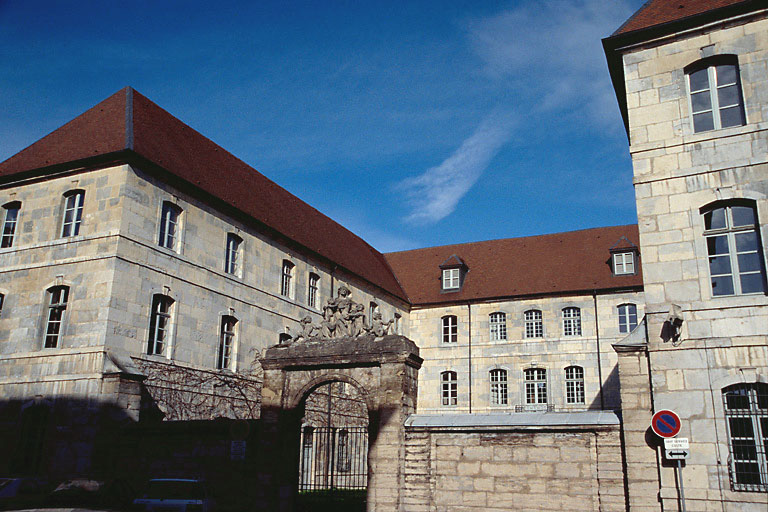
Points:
(678, 449)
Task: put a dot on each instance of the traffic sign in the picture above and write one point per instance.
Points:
(677, 454)
(677, 448)
(666, 423)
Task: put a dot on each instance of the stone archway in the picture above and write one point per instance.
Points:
(384, 370)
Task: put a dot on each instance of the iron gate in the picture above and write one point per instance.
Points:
(333, 458)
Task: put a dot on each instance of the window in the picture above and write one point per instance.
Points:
(286, 283)
(623, 263)
(226, 343)
(169, 226)
(571, 322)
(498, 323)
(746, 415)
(733, 247)
(715, 94)
(451, 278)
(314, 285)
(448, 388)
(343, 457)
(534, 326)
(9, 226)
(498, 387)
(398, 323)
(232, 256)
(73, 213)
(159, 324)
(450, 329)
(57, 304)
(574, 385)
(535, 386)
(627, 318)
(372, 308)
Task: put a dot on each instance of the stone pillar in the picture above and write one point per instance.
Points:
(636, 411)
(385, 372)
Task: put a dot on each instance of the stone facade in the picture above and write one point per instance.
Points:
(680, 174)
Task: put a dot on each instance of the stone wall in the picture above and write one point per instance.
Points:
(485, 467)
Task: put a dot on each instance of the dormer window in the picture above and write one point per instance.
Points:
(451, 279)
(453, 272)
(623, 263)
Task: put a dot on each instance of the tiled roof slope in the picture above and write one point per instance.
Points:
(657, 12)
(129, 121)
(576, 261)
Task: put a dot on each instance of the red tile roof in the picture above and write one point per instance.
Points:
(576, 261)
(128, 124)
(657, 12)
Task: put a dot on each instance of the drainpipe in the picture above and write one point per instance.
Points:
(469, 313)
(599, 362)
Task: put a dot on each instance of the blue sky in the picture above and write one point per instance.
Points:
(412, 123)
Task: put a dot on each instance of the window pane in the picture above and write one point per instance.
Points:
(715, 219)
(743, 216)
(700, 80)
(726, 74)
(700, 101)
(751, 283)
(717, 245)
(727, 96)
(731, 116)
(720, 265)
(722, 285)
(746, 242)
(703, 122)
(749, 262)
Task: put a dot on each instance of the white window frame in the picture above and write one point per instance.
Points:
(170, 226)
(499, 387)
(287, 279)
(497, 323)
(450, 329)
(451, 278)
(712, 89)
(572, 321)
(313, 289)
(449, 389)
(574, 385)
(534, 323)
(624, 263)
(730, 233)
(225, 358)
(232, 254)
(535, 386)
(58, 297)
(627, 317)
(160, 325)
(10, 222)
(72, 217)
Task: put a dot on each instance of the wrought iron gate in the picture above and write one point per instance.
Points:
(333, 458)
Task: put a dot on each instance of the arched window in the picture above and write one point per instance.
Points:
(224, 358)
(73, 213)
(313, 287)
(450, 329)
(574, 385)
(733, 247)
(448, 388)
(571, 322)
(499, 391)
(535, 386)
(169, 226)
(159, 324)
(9, 225)
(498, 323)
(627, 317)
(715, 93)
(534, 325)
(746, 415)
(286, 281)
(57, 305)
(232, 255)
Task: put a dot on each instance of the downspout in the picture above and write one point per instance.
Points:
(469, 313)
(599, 362)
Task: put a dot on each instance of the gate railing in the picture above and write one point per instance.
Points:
(333, 458)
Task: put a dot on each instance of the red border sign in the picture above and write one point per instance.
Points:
(666, 423)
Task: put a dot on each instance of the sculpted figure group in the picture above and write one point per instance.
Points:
(342, 318)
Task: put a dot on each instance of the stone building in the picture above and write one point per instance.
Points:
(691, 79)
